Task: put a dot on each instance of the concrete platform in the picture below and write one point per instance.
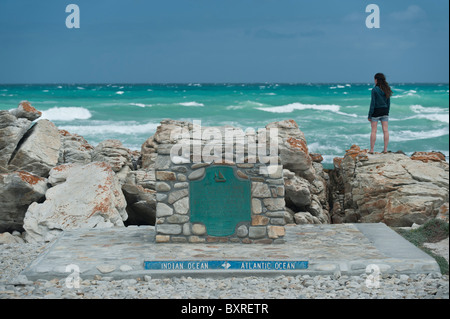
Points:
(324, 249)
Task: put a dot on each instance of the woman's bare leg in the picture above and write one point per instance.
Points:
(384, 125)
(373, 135)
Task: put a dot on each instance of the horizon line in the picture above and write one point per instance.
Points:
(209, 83)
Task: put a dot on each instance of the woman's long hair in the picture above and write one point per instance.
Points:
(384, 86)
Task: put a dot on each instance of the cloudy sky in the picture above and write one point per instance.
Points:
(147, 41)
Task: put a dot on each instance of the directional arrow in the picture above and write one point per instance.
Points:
(226, 265)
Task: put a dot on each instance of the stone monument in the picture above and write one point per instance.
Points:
(226, 192)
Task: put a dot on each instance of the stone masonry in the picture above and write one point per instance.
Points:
(173, 185)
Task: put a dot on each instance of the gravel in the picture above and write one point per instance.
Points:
(15, 257)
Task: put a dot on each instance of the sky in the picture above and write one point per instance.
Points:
(223, 41)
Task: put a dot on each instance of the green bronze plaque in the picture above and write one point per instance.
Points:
(220, 200)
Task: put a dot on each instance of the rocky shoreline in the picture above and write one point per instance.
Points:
(47, 176)
(52, 180)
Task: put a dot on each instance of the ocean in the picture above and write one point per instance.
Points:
(332, 116)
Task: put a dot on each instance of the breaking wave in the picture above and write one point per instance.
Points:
(66, 114)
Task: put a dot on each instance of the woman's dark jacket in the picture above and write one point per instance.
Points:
(379, 104)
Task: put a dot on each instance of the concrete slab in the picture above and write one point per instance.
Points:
(121, 253)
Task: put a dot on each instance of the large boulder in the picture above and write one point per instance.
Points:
(114, 153)
(26, 111)
(293, 149)
(391, 188)
(81, 196)
(169, 130)
(8, 239)
(12, 129)
(304, 197)
(38, 151)
(304, 178)
(297, 190)
(74, 149)
(149, 153)
(17, 191)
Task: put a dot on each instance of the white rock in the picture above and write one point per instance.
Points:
(125, 268)
(12, 130)
(182, 206)
(104, 269)
(17, 191)
(7, 238)
(21, 280)
(392, 188)
(112, 152)
(87, 196)
(39, 151)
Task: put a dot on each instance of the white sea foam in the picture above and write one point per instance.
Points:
(141, 104)
(434, 117)
(252, 103)
(120, 92)
(328, 159)
(405, 94)
(422, 109)
(440, 91)
(289, 108)
(66, 114)
(430, 113)
(234, 107)
(316, 147)
(107, 128)
(339, 86)
(401, 136)
(191, 104)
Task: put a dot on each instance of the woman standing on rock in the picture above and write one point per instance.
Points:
(379, 110)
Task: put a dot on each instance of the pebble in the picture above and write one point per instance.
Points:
(104, 269)
(15, 257)
(125, 268)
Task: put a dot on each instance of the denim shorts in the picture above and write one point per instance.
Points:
(383, 118)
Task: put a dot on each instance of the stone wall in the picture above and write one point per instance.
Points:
(173, 185)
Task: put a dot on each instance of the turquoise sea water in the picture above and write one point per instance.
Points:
(332, 116)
